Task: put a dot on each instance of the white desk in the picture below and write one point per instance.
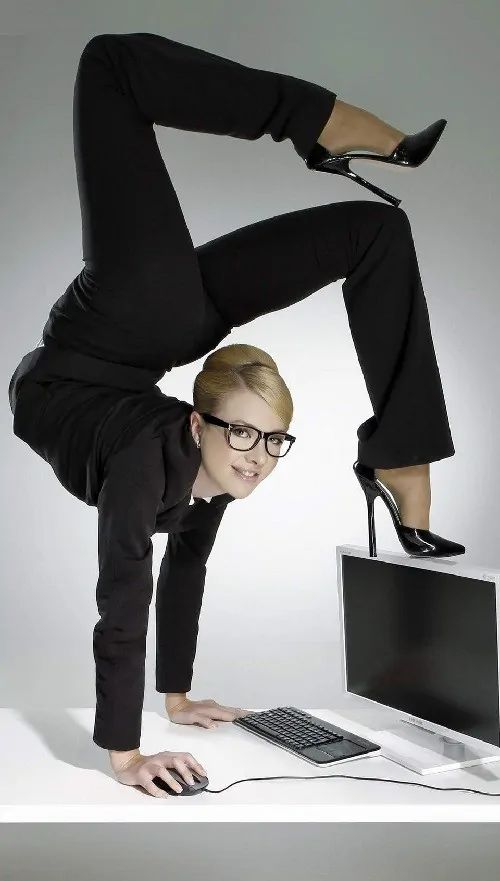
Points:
(51, 771)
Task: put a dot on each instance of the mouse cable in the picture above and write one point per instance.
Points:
(350, 777)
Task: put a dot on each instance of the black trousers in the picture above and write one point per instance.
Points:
(151, 299)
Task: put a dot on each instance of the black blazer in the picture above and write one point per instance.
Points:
(129, 452)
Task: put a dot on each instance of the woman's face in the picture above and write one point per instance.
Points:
(217, 472)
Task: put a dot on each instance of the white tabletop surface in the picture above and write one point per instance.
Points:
(51, 771)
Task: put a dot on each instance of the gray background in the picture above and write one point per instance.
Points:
(271, 575)
(229, 851)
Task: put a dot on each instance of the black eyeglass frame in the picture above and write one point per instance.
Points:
(214, 420)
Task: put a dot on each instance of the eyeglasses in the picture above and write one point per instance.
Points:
(246, 437)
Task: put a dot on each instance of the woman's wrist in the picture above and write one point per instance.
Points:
(120, 758)
(174, 698)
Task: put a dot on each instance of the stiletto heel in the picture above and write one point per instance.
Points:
(411, 151)
(416, 542)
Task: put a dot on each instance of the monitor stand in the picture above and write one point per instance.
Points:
(427, 752)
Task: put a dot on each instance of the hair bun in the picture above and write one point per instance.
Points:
(237, 366)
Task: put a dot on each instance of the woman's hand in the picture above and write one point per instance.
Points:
(140, 770)
(206, 713)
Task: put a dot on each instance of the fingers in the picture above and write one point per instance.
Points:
(164, 774)
(188, 759)
(167, 777)
(192, 763)
(183, 769)
(206, 713)
(205, 721)
(191, 717)
(216, 709)
(223, 714)
(146, 780)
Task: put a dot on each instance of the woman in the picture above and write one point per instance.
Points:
(147, 301)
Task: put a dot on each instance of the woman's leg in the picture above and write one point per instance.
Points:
(140, 300)
(279, 261)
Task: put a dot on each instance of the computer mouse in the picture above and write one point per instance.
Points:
(200, 783)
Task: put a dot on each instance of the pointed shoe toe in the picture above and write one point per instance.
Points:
(415, 149)
(423, 543)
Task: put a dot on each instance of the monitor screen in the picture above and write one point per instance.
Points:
(423, 641)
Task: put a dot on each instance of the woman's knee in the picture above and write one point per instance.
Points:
(395, 219)
(97, 45)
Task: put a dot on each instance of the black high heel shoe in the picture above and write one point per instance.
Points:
(411, 151)
(416, 542)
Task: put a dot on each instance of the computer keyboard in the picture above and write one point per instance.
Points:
(309, 737)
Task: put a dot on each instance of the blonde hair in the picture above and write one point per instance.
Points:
(237, 366)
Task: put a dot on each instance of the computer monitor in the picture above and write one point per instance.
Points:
(420, 636)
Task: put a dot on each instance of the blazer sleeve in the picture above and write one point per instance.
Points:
(127, 506)
(179, 595)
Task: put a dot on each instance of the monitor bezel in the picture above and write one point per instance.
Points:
(440, 564)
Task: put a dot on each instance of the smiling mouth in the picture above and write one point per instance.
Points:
(249, 479)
